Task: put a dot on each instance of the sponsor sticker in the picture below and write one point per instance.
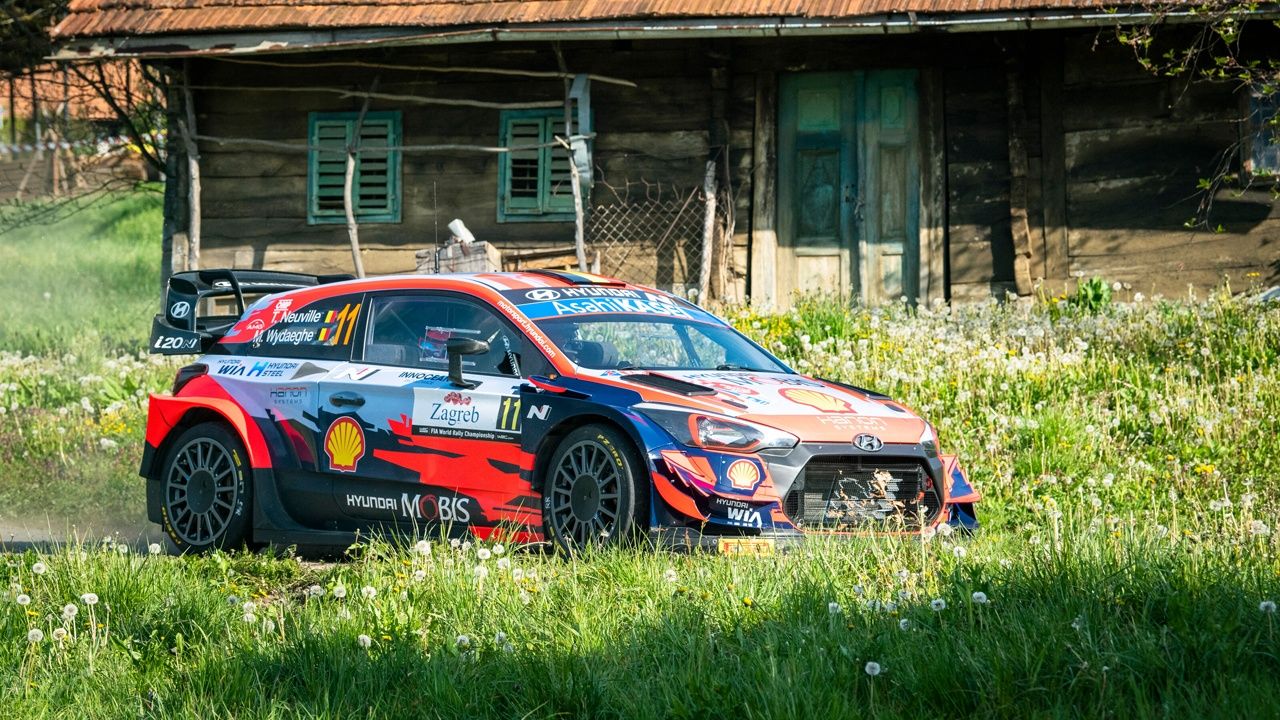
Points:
(344, 444)
(289, 395)
(450, 413)
(424, 507)
(818, 400)
(743, 474)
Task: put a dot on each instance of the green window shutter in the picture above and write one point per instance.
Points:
(376, 183)
(523, 190)
(558, 180)
(534, 181)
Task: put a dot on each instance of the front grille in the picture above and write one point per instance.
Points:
(857, 492)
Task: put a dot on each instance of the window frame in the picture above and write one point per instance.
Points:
(371, 299)
(393, 215)
(545, 211)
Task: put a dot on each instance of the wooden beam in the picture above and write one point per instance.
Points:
(933, 187)
(549, 74)
(1053, 177)
(763, 255)
(1018, 170)
(421, 100)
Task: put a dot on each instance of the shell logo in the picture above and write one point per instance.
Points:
(344, 444)
(820, 400)
(743, 474)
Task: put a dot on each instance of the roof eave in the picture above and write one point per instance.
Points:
(283, 41)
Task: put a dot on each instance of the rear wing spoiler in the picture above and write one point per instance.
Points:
(182, 330)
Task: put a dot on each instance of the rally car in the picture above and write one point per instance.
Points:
(538, 406)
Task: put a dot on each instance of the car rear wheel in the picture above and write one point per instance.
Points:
(206, 490)
(595, 490)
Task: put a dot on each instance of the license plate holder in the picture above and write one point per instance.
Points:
(755, 547)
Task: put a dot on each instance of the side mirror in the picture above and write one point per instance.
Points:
(455, 348)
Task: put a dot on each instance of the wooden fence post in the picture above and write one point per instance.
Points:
(708, 231)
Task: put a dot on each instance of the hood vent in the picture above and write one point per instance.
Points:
(670, 384)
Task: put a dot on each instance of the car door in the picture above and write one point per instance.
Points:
(435, 452)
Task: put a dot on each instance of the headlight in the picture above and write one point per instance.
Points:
(716, 432)
(929, 440)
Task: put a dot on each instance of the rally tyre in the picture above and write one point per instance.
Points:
(595, 490)
(206, 487)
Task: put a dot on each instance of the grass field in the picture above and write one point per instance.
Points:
(1127, 568)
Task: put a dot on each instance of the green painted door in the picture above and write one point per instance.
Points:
(848, 184)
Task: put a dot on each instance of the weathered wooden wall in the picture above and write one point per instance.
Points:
(254, 199)
(1134, 149)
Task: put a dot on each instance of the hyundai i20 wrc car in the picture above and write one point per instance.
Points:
(533, 406)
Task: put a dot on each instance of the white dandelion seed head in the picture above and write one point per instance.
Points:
(928, 533)
(269, 625)
(833, 608)
(517, 574)
(938, 604)
(945, 529)
(959, 551)
(463, 642)
(904, 594)
(500, 638)
(980, 598)
(1078, 623)
(890, 606)
(340, 591)
(904, 624)
(250, 618)
(404, 594)
(369, 592)
(315, 591)
(419, 575)
(670, 575)
(466, 545)
(1267, 606)
(858, 591)
(484, 553)
(23, 599)
(504, 563)
(39, 568)
(1257, 528)
(455, 543)
(69, 611)
(249, 606)
(59, 634)
(499, 549)
(35, 635)
(904, 575)
(872, 668)
(525, 597)
(481, 572)
(155, 549)
(508, 648)
(364, 641)
(1006, 563)
(122, 549)
(422, 547)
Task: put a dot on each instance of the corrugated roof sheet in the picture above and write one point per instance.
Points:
(114, 18)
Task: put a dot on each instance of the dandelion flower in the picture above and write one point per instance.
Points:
(23, 599)
(419, 575)
(1006, 563)
(517, 574)
(340, 591)
(872, 668)
(315, 591)
(369, 592)
(904, 624)
(504, 563)
(455, 543)
(249, 606)
(508, 648)
(122, 549)
(1267, 606)
(69, 611)
(904, 575)
(1257, 528)
(904, 594)
(39, 568)
(1078, 623)
(35, 635)
(500, 638)
(422, 547)
(481, 572)
(484, 553)
(499, 549)
(59, 634)
(858, 591)
(364, 641)
(249, 617)
(155, 549)
(269, 625)
(833, 608)
(463, 642)
(980, 598)
(938, 604)
(959, 551)
(670, 575)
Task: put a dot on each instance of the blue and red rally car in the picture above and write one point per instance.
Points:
(532, 406)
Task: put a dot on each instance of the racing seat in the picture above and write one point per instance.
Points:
(601, 354)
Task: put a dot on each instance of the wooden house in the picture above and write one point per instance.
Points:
(928, 149)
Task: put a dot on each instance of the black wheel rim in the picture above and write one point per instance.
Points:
(585, 494)
(201, 491)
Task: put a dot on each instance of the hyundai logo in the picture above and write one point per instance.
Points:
(868, 443)
(543, 294)
(180, 309)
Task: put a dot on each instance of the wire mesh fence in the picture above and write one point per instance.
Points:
(652, 236)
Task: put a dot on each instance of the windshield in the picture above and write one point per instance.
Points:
(625, 342)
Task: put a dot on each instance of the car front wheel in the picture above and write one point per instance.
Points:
(206, 490)
(594, 492)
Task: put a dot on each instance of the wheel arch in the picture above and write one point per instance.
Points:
(172, 416)
(551, 440)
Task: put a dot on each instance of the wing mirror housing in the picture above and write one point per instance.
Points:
(455, 348)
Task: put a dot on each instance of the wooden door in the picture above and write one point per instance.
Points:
(849, 184)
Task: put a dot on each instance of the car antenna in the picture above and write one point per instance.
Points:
(435, 218)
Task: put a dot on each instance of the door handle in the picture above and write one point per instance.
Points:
(346, 399)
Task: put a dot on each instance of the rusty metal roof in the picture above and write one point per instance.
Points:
(119, 18)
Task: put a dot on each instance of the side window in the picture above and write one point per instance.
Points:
(322, 330)
(412, 331)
